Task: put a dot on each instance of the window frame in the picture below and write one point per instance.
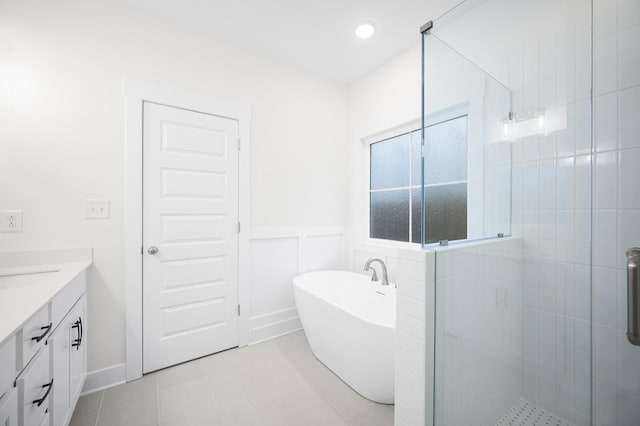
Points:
(474, 135)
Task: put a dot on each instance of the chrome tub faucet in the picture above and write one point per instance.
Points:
(374, 275)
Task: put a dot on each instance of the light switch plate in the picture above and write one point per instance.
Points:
(96, 209)
(11, 221)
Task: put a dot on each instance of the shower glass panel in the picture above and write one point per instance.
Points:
(507, 145)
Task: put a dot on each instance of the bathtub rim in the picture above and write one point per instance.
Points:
(391, 286)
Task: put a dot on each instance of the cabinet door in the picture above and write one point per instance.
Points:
(34, 389)
(78, 350)
(9, 408)
(59, 345)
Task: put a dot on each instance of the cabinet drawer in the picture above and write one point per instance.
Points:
(7, 365)
(34, 388)
(68, 296)
(33, 336)
(9, 408)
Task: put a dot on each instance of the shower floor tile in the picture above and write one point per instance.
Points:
(524, 413)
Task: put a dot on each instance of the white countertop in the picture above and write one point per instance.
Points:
(24, 289)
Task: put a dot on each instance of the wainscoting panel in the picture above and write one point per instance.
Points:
(278, 255)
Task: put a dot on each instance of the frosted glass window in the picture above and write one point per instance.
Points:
(445, 215)
(392, 177)
(395, 199)
(389, 219)
(445, 154)
(389, 160)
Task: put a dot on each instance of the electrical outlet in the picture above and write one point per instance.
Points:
(11, 220)
(96, 209)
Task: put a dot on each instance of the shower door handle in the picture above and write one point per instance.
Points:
(633, 296)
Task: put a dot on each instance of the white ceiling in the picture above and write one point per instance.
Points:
(317, 35)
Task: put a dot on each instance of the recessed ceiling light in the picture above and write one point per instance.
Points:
(365, 30)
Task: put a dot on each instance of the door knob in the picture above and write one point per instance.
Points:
(152, 250)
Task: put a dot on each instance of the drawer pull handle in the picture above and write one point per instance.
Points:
(46, 329)
(39, 402)
(77, 342)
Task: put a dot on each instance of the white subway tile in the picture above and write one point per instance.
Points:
(548, 80)
(605, 296)
(629, 105)
(410, 381)
(605, 238)
(531, 186)
(583, 182)
(628, 364)
(601, 5)
(517, 187)
(583, 348)
(605, 407)
(622, 298)
(548, 184)
(628, 14)
(606, 122)
(410, 325)
(628, 234)
(606, 180)
(582, 130)
(415, 255)
(548, 149)
(583, 72)
(410, 362)
(582, 293)
(547, 345)
(629, 57)
(565, 183)
(606, 22)
(605, 354)
(629, 196)
(531, 149)
(565, 236)
(429, 323)
(565, 85)
(531, 54)
(516, 70)
(411, 288)
(411, 269)
(531, 332)
(566, 278)
(606, 64)
(583, 32)
(411, 306)
(628, 408)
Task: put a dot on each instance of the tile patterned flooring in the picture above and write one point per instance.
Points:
(278, 382)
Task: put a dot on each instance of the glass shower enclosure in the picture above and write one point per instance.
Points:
(507, 163)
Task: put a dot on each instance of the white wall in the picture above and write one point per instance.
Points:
(62, 66)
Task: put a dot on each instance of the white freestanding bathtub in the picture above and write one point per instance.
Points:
(350, 323)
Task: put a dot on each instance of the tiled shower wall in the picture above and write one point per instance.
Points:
(481, 342)
(551, 207)
(479, 319)
(552, 210)
(616, 214)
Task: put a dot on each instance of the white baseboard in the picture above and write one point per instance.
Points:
(104, 378)
(272, 325)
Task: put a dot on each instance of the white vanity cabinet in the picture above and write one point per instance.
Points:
(9, 408)
(35, 384)
(43, 362)
(68, 355)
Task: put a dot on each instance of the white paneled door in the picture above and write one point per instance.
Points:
(190, 235)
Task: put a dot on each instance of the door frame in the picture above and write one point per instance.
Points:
(135, 94)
